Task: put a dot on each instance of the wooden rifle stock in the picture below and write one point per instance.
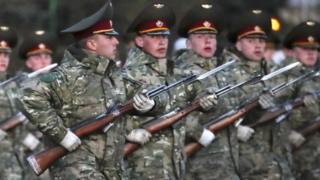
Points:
(12, 122)
(43, 160)
(311, 128)
(191, 148)
(164, 123)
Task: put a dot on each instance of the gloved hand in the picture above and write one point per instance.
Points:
(142, 103)
(266, 101)
(140, 136)
(310, 101)
(31, 141)
(296, 138)
(244, 133)
(70, 141)
(206, 137)
(208, 102)
(3, 134)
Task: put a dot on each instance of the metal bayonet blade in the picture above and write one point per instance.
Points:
(43, 70)
(280, 71)
(215, 70)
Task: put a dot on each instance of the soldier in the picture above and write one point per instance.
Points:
(261, 156)
(9, 166)
(85, 85)
(304, 41)
(200, 26)
(37, 50)
(147, 65)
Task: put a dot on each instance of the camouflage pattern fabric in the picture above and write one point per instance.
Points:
(214, 161)
(257, 157)
(306, 159)
(10, 168)
(162, 157)
(83, 86)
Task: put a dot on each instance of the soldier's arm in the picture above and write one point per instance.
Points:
(37, 103)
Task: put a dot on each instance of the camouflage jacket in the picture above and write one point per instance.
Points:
(162, 157)
(7, 98)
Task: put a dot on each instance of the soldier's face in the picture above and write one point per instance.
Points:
(4, 61)
(204, 45)
(38, 61)
(308, 56)
(155, 45)
(106, 45)
(252, 48)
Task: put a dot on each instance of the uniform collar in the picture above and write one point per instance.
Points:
(98, 64)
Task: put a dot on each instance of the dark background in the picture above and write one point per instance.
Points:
(55, 15)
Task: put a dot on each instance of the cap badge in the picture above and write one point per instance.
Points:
(42, 46)
(206, 24)
(158, 6)
(3, 44)
(159, 23)
(257, 28)
(206, 6)
(311, 39)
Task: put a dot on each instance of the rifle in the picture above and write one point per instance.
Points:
(218, 124)
(173, 117)
(12, 122)
(311, 128)
(41, 161)
(286, 107)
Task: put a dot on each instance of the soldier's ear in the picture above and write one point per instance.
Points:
(238, 45)
(188, 44)
(91, 44)
(138, 40)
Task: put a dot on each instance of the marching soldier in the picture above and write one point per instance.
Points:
(147, 65)
(258, 158)
(304, 41)
(9, 166)
(200, 26)
(85, 85)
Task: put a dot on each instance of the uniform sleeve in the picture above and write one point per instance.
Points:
(37, 104)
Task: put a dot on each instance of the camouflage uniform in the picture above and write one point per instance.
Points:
(10, 167)
(83, 86)
(306, 158)
(214, 161)
(262, 157)
(162, 157)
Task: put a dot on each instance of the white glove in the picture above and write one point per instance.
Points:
(3, 134)
(31, 142)
(208, 102)
(142, 103)
(244, 133)
(296, 138)
(140, 136)
(206, 137)
(266, 101)
(70, 141)
(310, 101)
